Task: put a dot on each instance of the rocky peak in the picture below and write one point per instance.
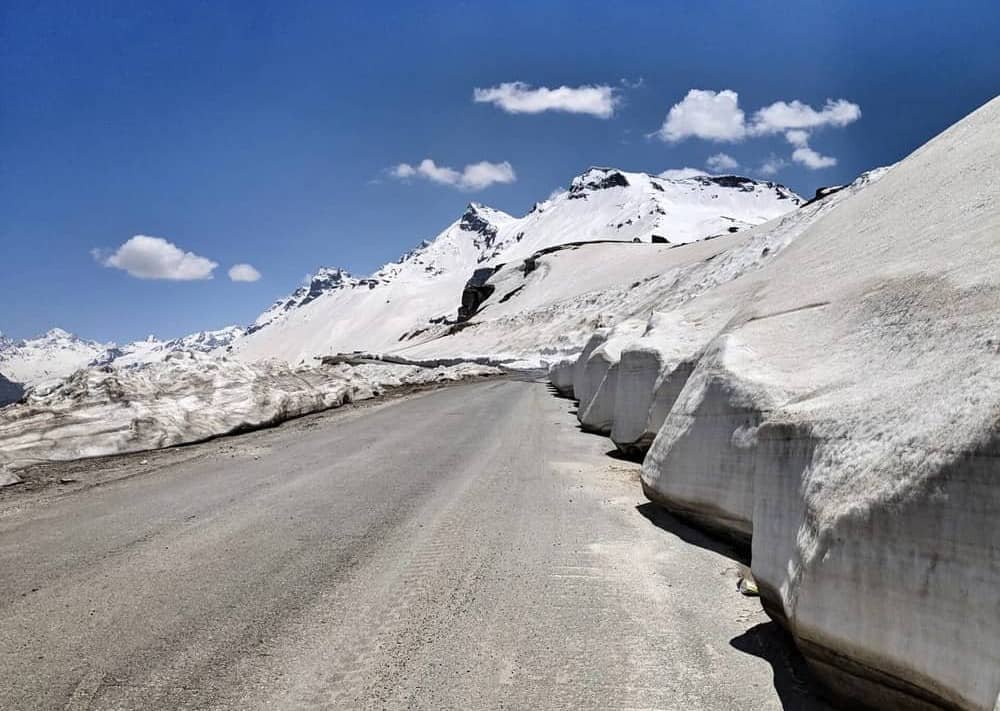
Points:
(476, 219)
(326, 279)
(597, 179)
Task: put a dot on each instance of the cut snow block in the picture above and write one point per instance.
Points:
(600, 376)
(647, 388)
(849, 418)
(561, 376)
(583, 385)
(895, 605)
(701, 464)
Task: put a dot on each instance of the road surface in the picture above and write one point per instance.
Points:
(466, 548)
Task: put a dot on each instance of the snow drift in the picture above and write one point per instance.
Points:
(842, 410)
(186, 397)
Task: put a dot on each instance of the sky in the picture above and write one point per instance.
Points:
(172, 167)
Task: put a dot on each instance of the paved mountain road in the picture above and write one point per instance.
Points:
(464, 548)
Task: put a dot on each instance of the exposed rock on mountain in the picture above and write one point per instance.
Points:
(9, 392)
(325, 280)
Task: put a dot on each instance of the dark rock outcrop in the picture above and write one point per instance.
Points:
(9, 391)
(476, 291)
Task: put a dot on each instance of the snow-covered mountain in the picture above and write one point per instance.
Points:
(423, 289)
(152, 350)
(59, 353)
(325, 280)
(55, 354)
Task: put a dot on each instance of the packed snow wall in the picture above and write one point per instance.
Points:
(842, 412)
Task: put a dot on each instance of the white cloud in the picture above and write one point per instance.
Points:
(721, 162)
(781, 116)
(243, 272)
(403, 170)
(681, 173)
(516, 97)
(155, 258)
(797, 137)
(811, 159)
(717, 116)
(475, 176)
(713, 116)
(772, 165)
(805, 155)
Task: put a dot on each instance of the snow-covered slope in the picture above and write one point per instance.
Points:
(53, 355)
(411, 300)
(839, 406)
(545, 307)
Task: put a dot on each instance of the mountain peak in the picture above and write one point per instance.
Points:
(598, 178)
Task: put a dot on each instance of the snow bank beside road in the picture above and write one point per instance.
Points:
(843, 412)
(186, 398)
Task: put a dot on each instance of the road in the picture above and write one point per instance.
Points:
(465, 548)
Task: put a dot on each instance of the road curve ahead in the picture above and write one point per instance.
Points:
(466, 548)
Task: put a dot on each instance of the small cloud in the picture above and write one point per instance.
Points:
(147, 257)
(243, 272)
(681, 173)
(781, 116)
(517, 97)
(475, 176)
(797, 137)
(811, 159)
(721, 162)
(632, 84)
(711, 115)
(772, 165)
(805, 155)
(403, 170)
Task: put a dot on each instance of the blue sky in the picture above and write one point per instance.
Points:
(266, 133)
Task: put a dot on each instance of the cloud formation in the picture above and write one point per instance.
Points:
(681, 173)
(516, 97)
(772, 165)
(710, 115)
(243, 272)
(717, 116)
(147, 257)
(475, 176)
(781, 116)
(721, 162)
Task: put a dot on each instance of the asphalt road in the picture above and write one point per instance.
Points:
(466, 548)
